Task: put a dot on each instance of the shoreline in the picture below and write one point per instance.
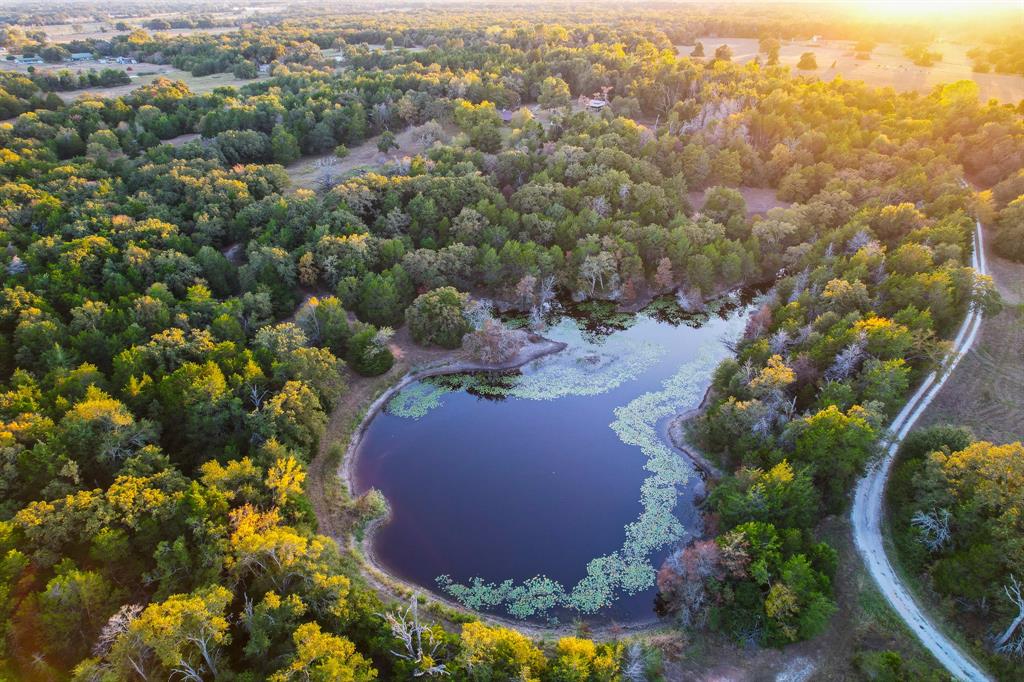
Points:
(676, 433)
(536, 350)
(383, 580)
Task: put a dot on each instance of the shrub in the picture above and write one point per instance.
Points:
(368, 351)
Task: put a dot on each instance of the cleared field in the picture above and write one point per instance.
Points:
(305, 172)
(986, 393)
(181, 139)
(142, 73)
(886, 68)
(104, 30)
(759, 200)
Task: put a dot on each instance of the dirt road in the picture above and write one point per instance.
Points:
(869, 498)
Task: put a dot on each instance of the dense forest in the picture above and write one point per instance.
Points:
(163, 390)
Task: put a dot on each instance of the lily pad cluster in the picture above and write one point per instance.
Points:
(627, 570)
(588, 366)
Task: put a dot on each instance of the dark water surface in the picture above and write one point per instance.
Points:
(515, 487)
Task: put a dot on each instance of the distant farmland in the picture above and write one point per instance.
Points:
(886, 68)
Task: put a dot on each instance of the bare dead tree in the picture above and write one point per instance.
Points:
(799, 284)
(257, 395)
(779, 342)
(1007, 643)
(420, 643)
(546, 293)
(858, 241)
(326, 178)
(186, 672)
(848, 360)
(934, 527)
(137, 652)
(117, 624)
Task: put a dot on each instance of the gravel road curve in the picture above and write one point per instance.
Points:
(869, 499)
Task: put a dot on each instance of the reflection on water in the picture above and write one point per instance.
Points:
(550, 491)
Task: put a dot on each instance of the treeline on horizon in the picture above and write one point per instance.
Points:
(989, 33)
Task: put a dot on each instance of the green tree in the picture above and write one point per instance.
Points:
(185, 632)
(379, 300)
(368, 351)
(296, 415)
(778, 496)
(74, 606)
(284, 148)
(808, 62)
(497, 653)
(386, 142)
(554, 93)
(836, 446)
(770, 47)
(323, 657)
(439, 317)
(326, 324)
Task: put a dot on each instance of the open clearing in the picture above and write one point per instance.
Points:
(759, 200)
(89, 28)
(305, 172)
(886, 68)
(986, 393)
(141, 74)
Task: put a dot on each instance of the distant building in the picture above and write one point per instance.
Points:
(80, 56)
(126, 60)
(596, 105)
(29, 60)
(264, 69)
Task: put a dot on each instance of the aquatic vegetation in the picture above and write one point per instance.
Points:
(599, 319)
(531, 597)
(584, 368)
(627, 570)
(416, 400)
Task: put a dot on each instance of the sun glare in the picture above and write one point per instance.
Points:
(908, 9)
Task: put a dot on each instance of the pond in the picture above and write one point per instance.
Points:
(550, 493)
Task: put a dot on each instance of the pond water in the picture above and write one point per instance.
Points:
(550, 493)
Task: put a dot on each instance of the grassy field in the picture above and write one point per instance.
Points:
(104, 30)
(886, 68)
(305, 172)
(759, 200)
(986, 393)
(142, 73)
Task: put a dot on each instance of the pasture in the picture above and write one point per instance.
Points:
(888, 67)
